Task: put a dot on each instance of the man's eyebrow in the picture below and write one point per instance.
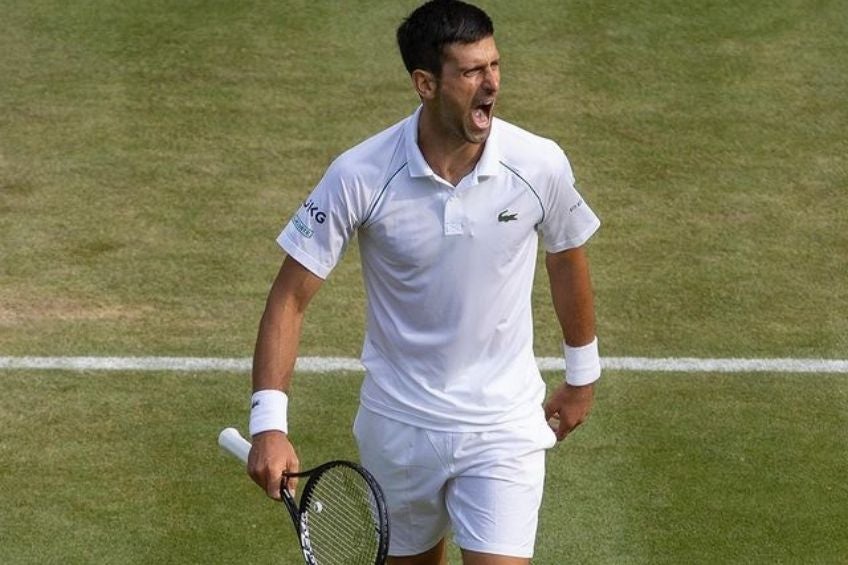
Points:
(478, 66)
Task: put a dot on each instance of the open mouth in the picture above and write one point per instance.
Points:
(481, 114)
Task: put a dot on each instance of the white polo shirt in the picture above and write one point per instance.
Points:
(448, 270)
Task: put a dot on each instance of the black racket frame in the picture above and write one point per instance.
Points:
(297, 513)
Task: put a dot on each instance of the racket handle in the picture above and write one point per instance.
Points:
(234, 444)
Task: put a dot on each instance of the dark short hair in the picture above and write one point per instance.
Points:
(424, 34)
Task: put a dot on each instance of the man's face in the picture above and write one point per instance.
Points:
(467, 89)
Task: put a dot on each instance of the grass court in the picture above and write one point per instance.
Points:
(150, 152)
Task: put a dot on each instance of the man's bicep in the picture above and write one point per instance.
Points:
(560, 262)
(295, 285)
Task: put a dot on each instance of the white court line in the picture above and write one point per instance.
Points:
(327, 364)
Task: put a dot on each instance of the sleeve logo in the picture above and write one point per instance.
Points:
(314, 212)
(576, 206)
(304, 230)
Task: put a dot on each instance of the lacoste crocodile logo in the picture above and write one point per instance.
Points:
(505, 216)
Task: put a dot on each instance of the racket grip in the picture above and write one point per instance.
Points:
(232, 442)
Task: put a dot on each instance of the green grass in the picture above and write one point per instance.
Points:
(151, 151)
(123, 468)
(704, 469)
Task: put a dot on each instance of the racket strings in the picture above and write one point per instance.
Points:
(343, 518)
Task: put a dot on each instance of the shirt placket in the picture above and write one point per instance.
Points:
(454, 215)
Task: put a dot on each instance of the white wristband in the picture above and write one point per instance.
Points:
(268, 411)
(582, 364)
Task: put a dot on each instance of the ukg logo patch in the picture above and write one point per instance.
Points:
(314, 212)
(304, 230)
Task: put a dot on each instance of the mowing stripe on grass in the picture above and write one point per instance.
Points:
(327, 364)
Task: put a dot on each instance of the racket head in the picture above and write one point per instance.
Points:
(342, 516)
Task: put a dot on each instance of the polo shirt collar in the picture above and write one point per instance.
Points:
(487, 166)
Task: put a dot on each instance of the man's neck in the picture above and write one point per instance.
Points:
(450, 156)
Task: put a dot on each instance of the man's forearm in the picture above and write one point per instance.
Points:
(571, 292)
(279, 330)
(276, 349)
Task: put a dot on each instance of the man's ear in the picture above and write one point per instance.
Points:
(425, 83)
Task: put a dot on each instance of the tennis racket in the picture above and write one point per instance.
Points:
(342, 517)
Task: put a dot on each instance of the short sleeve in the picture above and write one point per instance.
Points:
(569, 221)
(320, 230)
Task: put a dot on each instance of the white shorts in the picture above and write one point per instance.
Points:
(486, 485)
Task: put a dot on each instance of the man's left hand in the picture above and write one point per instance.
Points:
(568, 407)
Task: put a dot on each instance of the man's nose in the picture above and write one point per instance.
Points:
(492, 80)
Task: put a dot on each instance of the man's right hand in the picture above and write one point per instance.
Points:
(272, 455)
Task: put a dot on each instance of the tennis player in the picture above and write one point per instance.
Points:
(449, 206)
